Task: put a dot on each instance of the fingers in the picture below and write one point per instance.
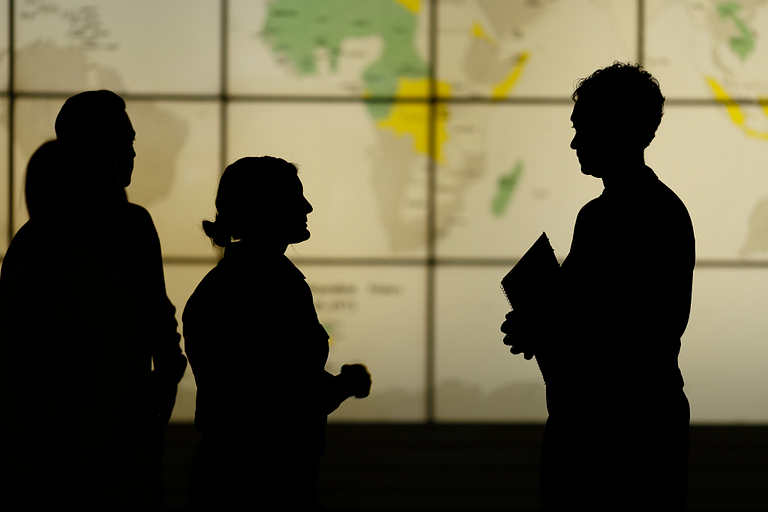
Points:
(527, 352)
(364, 391)
(355, 369)
(509, 323)
(519, 343)
(361, 379)
(520, 334)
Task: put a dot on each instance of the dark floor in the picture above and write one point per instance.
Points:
(483, 467)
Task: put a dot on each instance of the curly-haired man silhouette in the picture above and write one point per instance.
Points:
(617, 433)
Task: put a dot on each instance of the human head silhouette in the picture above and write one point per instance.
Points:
(616, 113)
(260, 200)
(69, 190)
(98, 119)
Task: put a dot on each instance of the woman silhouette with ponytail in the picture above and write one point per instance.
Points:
(258, 352)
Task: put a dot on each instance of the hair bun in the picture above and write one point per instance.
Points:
(217, 232)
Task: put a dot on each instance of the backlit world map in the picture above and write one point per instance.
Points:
(432, 138)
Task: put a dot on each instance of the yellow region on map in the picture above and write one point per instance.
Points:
(411, 118)
(479, 32)
(504, 87)
(734, 111)
(411, 5)
(764, 103)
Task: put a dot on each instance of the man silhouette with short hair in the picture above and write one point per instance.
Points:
(94, 120)
(617, 433)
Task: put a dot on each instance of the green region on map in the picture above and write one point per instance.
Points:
(743, 44)
(297, 28)
(506, 186)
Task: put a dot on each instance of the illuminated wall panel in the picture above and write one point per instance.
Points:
(432, 138)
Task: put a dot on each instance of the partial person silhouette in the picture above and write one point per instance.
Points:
(96, 121)
(73, 379)
(258, 351)
(608, 342)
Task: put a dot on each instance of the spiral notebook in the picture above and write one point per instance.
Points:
(530, 280)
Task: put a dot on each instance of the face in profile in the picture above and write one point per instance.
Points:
(283, 216)
(297, 208)
(122, 148)
(598, 142)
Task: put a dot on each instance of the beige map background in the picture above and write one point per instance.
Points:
(504, 71)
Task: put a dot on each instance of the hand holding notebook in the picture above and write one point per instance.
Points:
(529, 287)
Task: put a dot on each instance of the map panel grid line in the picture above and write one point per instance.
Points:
(476, 100)
(224, 86)
(11, 120)
(431, 217)
(641, 32)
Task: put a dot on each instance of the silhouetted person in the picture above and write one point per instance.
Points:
(617, 433)
(258, 352)
(73, 380)
(97, 120)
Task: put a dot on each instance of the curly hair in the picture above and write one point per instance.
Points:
(630, 92)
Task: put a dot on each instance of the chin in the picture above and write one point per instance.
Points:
(301, 237)
(591, 171)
